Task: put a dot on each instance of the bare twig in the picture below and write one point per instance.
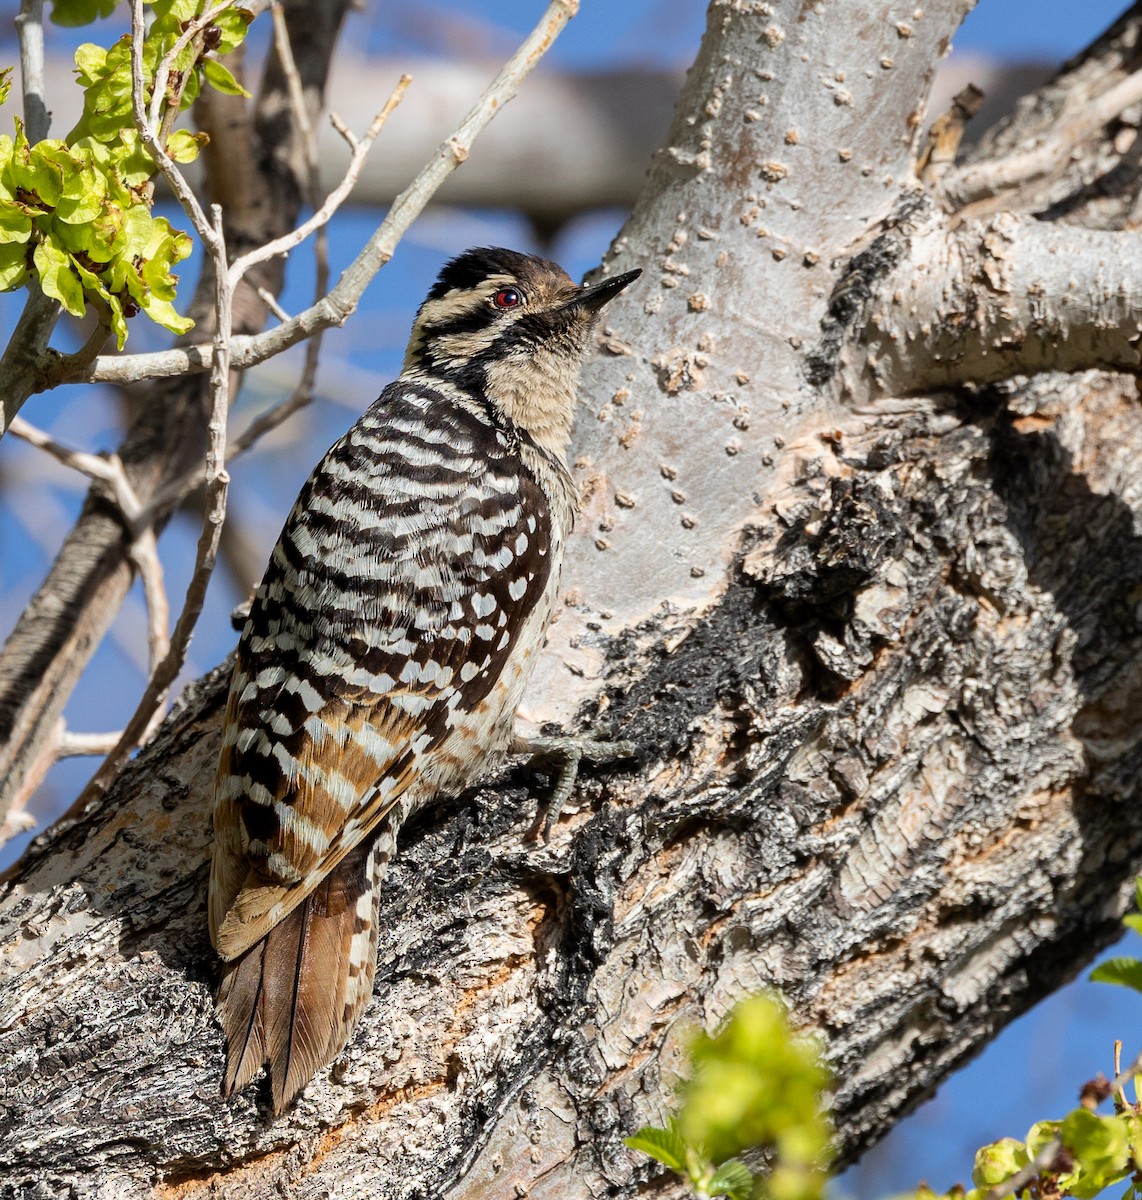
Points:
(107, 469)
(17, 820)
(336, 307)
(296, 97)
(30, 29)
(332, 202)
(144, 552)
(148, 712)
(76, 745)
(271, 302)
(982, 180)
(61, 744)
(143, 548)
(1120, 1093)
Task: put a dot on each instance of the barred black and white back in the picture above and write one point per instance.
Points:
(388, 647)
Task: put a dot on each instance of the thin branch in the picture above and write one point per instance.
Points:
(983, 180)
(148, 712)
(335, 308)
(107, 470)
(144, 553)
(333, 201)
(61, 744)
(30, 30)
(27, 353)
(17, 819)
(1120, 1092)
(143, 547)
(993, 299)
(82, 358)
(296, 92)
(77, 745)
(271, 302)
(171, 173)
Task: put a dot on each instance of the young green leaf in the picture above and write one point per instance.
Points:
(1101, 1151)
(1133, 921)
(665, 1145)
(756, 1084)
(57, 278)
(220, 78)
(70, 13)
(183, 146)
(232, 25)
(998, 1162)
(13, 266)
(733, 1179)
(1126, 972)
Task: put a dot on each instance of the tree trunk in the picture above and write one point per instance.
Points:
(880, 646)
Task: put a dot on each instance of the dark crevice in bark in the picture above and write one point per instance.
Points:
(859, 284)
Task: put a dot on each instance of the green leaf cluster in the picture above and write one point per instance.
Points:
(1097, 1153)
(756, 1086)
(106, 73)
(76, 214)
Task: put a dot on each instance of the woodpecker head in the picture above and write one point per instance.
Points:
(511, 328)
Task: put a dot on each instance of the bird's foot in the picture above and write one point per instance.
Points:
(564, 754)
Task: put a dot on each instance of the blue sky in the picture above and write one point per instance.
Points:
(1035, 1068)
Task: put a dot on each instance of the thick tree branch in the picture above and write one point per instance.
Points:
(984, 301)
(884, 671)
(988, 180)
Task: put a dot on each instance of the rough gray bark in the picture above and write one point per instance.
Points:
(882, 654)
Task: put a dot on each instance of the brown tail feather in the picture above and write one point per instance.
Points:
(294, 999)
(240, 1009)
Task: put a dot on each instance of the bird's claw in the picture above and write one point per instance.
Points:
(567, 753)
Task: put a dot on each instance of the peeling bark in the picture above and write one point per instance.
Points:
(884, 682)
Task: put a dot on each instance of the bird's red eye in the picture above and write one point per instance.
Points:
(507, 298)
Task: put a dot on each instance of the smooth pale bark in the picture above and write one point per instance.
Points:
(882, 656)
